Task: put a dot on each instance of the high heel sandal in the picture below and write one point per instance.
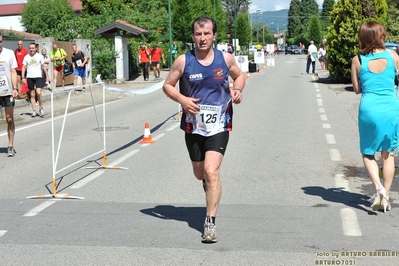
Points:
(386, 206)
(378, 198)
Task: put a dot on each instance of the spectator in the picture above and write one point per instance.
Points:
(58, 56)
(321, 55)
(373, 74)
(33, 64)
(144, 58)
(311, 58)
(79, 61)
(286, 48)
(20, 53)
(155, 57)
(174, 51)
(47, 61)
(230, 48)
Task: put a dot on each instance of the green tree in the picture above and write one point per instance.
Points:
(325, 14)
(314, 29)
(243, 29)
(294, 19)
(49, 18)
(346, 18)
(393, 22)
(307, 9)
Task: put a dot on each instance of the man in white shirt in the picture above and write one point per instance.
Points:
(311, 58)
(8, 91)
(34, 63)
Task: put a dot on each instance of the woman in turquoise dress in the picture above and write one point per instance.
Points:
(373, 73)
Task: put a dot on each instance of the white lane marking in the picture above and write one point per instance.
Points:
(318, 95)
(173, 127)
(320, 102)
(86, 180)
(123, 158)
(330, 139)
(315, 84)
(155, 138)
(335, 156)
(39, 208)
(2, 232)
(350, 224)
(326, 126)
(323, 117)
(317, 90)
(341, 182)
(321, 110)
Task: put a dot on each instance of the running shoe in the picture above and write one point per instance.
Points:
(209, 235)
(41, 112)
(11, 151)
(33, 114)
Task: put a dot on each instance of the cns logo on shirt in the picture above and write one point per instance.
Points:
(195, 77)
(218, 74)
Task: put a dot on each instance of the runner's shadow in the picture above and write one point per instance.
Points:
(339, 195)
(194, 216)
(3, 150)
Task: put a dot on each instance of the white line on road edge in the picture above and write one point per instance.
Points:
(2, 232)
(330, 139)
(335, 156)
(154, 138)
(35, 211)
(326, 126)
(87, 179)
(173, 127)
(350, 225)
(123, 158)
(17, 129)
(320, 102)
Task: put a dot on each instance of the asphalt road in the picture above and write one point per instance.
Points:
(294, 188)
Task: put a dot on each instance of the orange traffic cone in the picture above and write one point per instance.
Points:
(147, 135)
(264, 66)
(248, 75)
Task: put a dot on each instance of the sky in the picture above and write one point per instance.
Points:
(273, 5)
(264, 5)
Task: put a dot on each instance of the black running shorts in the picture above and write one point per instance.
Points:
(7, 101)
(198, 145)
(34, 83)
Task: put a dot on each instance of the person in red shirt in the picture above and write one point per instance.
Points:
(155, 57)
(144, 58)
(20, 53)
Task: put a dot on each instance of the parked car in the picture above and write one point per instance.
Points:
(392, 46)
(294, 49)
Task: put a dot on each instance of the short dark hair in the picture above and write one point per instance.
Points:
(202, 20)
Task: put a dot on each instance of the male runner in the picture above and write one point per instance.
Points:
(207, 109)
(33, 65)
(8, 91)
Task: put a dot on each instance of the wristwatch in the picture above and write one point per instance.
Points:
(237, 89)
